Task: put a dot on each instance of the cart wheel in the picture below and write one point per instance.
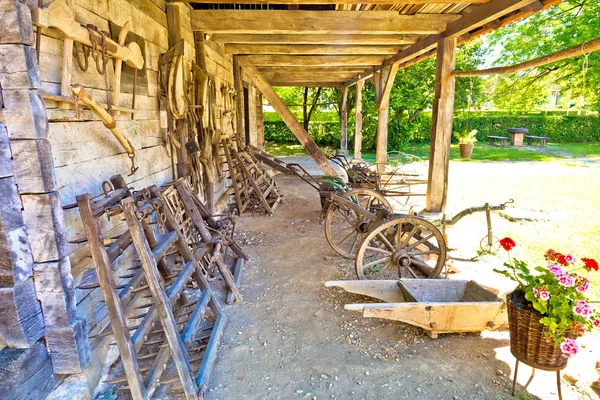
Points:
(405, 247)
(344, 230)
(486, 248)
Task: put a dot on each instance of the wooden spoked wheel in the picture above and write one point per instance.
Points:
(344, 228)
(405, 247)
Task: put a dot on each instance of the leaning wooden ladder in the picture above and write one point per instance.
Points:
(263, 184)
(148, 345)
(238, 180)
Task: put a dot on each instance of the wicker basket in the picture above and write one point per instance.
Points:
(528, 342)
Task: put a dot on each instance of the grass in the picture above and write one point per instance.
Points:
(481, 152)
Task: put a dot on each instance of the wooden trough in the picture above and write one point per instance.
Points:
(437, 306)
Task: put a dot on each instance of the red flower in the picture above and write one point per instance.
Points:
(590, 263)
(562, 260)
(507, 243)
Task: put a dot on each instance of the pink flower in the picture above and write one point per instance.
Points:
(569, 347)
(555, 269)
(596, 323)
(536, 292)
(570, 258)
(544, 295)
(583, 309)
(566, 280)
(582, 284)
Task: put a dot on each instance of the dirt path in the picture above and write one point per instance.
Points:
(274, 347)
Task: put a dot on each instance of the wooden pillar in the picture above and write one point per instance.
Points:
(260, 121)
(384, 80)
(358, 126)
(239, 102)
(344, 121)
(290, 120)
(441, 126)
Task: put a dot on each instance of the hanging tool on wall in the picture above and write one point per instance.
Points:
(108, 120)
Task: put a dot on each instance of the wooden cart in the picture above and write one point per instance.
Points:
(436, 305)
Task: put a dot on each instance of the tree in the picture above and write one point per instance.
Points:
(571, 23)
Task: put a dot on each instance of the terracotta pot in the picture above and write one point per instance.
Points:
(466, 150)
(528, 341)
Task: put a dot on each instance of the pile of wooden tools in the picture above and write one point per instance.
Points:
(160, 304)
(250, 180)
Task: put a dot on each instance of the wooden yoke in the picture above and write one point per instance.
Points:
(58, 15)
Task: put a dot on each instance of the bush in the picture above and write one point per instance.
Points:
(559, 128)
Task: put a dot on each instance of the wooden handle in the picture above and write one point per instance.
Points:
(107, 119)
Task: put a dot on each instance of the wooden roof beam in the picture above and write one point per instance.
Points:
(329, 39)
(477, 18)
(310, 61)
(310, 49)
(318, 22)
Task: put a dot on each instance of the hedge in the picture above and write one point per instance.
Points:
(559, 128)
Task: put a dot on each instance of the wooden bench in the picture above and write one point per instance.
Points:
(493, 139)
(542, 139)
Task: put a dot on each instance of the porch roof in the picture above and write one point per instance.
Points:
(337, 42)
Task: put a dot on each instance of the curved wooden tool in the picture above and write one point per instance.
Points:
(108, 120)
(59, 16)
(119, 65)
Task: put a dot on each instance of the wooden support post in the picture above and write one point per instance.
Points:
(344, 121)
(358, 124)
(384, 80)
(441, 126)
(239, 102)
(260, 122)
(290, 120)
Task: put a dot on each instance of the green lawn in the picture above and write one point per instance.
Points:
(481, 152)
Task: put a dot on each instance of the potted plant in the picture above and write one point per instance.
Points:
(466, 141)
(549, 309)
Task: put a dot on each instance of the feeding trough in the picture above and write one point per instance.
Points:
(437, 306)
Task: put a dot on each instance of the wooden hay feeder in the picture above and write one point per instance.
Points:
(437, 306)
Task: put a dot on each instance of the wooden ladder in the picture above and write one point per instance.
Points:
(263, 184)
(238, 180)
(143, 350)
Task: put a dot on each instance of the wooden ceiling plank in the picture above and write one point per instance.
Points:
(317, 22)
(331, 39)
(310, 49)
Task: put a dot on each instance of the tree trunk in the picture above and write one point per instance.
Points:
(307, 113)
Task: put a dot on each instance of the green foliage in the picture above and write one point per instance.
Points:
(559, 128)
(466, 137)
(571, 23)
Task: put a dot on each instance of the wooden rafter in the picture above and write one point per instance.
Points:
(311, 49)
(328, 39)
(573, 51)
(279, 60)
(318, 22)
